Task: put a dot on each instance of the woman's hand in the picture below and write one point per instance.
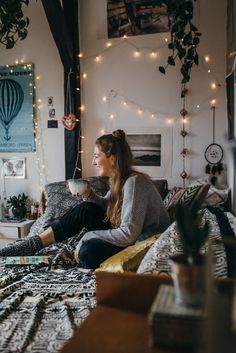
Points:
(87, 191)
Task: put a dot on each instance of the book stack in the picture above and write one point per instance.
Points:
(173, 325)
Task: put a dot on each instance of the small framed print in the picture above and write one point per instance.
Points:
(13, 168)
(50, 101)
(52, 113)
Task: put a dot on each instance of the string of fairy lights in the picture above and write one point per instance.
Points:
(38, 148)
(141, 110)
(153, 53)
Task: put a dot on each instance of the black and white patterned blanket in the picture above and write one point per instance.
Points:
(41, 306)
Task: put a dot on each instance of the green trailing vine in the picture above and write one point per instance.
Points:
(13, 23)
(185, 37)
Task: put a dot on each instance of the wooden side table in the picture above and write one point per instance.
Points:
(13, 231)
(119, 323)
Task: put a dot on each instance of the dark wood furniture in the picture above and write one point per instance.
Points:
(119, 322)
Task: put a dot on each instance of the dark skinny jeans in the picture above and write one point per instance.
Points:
(91, 216)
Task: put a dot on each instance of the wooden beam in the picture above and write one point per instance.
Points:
(56, 20)
(63, 22)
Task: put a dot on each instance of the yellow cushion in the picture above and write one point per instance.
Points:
(129, 258)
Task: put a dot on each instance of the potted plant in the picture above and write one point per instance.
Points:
(13, 23)
(18, 205)
(185, 37)
(188, 269)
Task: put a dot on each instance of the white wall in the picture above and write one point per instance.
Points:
(139, 80)
(39, 48)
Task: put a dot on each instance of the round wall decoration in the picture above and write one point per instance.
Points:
(214, 153)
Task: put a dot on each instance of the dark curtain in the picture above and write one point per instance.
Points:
(231, 57)
(63, 22)
(230, 104)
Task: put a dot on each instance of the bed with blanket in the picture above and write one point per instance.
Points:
(40, 306)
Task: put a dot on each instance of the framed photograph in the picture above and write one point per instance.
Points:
(133, 17)
(13, 168)
(152, 152)
(52, 113)
(146, 149)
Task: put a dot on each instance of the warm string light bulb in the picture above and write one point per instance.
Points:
(207, 58)
(84, 75)
(169, 121)
(213, 102)
(140, 111)
(153, 55)
(80, 55)
(137, 53)
(213, 85)
(104, 99)
(109, 44)
(111, 116)
(98, 58)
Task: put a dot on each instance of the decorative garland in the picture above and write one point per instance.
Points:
(184, 153)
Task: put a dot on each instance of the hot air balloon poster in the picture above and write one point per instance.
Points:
(17, 108)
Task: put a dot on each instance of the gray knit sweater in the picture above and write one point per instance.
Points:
(142, 215)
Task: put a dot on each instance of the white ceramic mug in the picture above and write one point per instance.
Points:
(77, 186)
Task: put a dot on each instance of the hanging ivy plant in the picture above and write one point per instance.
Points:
(13, 23)
(185, 36)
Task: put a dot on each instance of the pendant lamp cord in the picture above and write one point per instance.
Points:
(68, 92)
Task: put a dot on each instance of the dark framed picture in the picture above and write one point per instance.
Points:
(146, 149)
(132, 17)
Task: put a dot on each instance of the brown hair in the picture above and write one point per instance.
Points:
(115, 144)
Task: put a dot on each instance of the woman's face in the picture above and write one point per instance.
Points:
(104, 164)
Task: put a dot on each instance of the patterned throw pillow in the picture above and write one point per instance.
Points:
(184, 196)
(60, 199)
(168, 199)
(215, 197)
(157, 258)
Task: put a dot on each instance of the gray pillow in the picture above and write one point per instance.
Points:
(60, 201)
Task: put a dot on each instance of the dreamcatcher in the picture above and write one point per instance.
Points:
(214, 155)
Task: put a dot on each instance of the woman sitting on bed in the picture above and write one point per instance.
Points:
(132, 210)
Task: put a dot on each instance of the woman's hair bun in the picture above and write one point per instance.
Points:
(120, 134)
